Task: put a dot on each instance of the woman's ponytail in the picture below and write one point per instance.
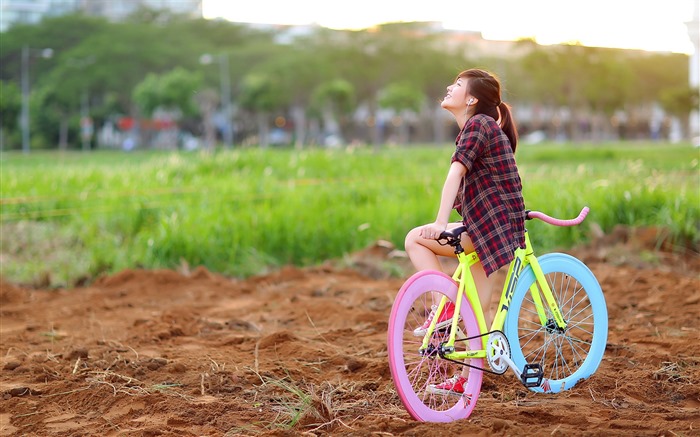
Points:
(508, 124)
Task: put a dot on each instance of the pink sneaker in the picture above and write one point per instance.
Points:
(452, 386)
(444, 320)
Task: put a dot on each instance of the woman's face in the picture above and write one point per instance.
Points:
(457, 95)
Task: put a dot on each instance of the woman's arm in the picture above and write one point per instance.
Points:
(449, 192)
(447, 199)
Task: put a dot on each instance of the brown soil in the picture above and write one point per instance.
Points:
(191, 353)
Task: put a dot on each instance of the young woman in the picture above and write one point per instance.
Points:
(484, 187)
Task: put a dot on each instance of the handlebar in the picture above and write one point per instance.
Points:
(529, 215)
(451, 236)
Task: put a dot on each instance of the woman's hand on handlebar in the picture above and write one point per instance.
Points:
(432, 231)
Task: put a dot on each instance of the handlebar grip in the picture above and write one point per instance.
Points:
(559, 222)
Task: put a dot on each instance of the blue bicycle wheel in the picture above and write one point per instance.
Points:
(565, 356)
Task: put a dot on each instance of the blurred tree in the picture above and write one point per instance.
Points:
(58, 33)
(541, 83)
(63, 93)
(172, 92)
(335, 100)
(250, 59)
(10, 107)
(207, 100)
(435, 69)
(585, 80)
(405, 99)
(373, 59)
(571, 81)
(655, 72)
(401, 96)
(300, 70)
(680, 102)
(540, 80)
(57, 105)
(610, 81)
(261, 94)
(609, 87)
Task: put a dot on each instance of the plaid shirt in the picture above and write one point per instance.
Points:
(490, 198)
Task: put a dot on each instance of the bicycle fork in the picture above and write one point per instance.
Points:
(533, 373)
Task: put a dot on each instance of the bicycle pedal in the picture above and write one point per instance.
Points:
(532, 375)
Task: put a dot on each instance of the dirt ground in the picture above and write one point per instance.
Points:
(303, 351)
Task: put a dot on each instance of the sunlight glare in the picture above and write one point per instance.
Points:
(601, 23)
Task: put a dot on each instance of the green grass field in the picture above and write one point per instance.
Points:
(69, 217)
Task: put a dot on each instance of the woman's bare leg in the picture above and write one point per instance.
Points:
(424, 256)
(424, 252)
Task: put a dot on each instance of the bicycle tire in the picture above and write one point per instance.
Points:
(411, 372)
(566, 357)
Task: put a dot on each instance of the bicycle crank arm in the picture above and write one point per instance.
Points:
(530, 376)
(512, 366)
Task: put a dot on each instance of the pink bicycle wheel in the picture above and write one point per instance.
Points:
(415, 374)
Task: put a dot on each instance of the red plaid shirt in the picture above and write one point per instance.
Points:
(490, 198)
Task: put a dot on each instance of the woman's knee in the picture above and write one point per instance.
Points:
(412, 239)
(413, 235)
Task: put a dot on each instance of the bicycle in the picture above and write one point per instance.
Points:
(550, 328)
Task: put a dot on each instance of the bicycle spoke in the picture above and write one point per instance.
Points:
(532, 337)
(579, 327)
(568, 349)
(569, 316)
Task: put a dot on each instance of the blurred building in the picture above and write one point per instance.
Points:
(116, 10)
(33, 11)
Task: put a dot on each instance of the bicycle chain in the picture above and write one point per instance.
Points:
(469, 365)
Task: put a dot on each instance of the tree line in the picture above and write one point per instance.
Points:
(223, 82)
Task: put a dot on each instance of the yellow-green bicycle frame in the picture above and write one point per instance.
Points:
(463, 277)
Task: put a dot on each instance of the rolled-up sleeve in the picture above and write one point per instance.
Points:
(470, 144)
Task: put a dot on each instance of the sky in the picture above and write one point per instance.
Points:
(634, 24)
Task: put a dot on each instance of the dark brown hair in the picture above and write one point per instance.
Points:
(486, 87)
